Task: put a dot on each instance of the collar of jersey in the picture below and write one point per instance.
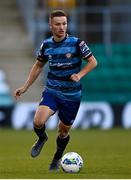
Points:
(61, 40)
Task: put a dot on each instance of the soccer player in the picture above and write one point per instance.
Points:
(62, 92)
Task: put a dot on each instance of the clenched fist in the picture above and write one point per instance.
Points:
(75, 77)
(19, 91)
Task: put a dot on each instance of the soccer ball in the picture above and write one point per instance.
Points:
(71, 162)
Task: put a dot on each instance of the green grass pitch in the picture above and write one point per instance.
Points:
(106, 154)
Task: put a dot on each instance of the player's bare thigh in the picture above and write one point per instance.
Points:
(63, 130)
(42, 114)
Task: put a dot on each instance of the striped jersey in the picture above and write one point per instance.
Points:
(64, 58)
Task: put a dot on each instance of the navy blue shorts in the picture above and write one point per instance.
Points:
(67, 110)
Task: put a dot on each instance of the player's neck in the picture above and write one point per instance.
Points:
(59, 39)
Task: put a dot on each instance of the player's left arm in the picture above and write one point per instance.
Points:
(91, 64)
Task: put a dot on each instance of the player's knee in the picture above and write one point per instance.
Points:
(63, 133)
(37, 123)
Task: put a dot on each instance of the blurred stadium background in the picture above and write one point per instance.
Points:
(105, 25)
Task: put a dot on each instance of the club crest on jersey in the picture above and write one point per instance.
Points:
(68, 55)
(50, 57)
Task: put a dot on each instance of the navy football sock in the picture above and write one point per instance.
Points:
(61, 145)
(40, 132)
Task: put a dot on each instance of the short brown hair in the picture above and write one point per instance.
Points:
(57, 13)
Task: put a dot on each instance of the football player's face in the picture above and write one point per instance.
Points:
(59, 26)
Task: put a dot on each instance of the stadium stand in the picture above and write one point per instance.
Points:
(16, 50)
(5, 96)
(6, 101)
(111, 80)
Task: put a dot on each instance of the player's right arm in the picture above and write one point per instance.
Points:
(34, 73)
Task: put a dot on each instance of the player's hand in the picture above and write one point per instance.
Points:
(19, 91)
(75, 77)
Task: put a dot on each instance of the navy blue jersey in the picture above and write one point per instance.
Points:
(64, 59)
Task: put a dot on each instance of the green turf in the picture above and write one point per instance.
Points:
(106, 154)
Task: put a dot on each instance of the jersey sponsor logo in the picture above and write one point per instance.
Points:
(60, 64)
(68, 55)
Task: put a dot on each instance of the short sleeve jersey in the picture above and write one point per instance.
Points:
(65, 58)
